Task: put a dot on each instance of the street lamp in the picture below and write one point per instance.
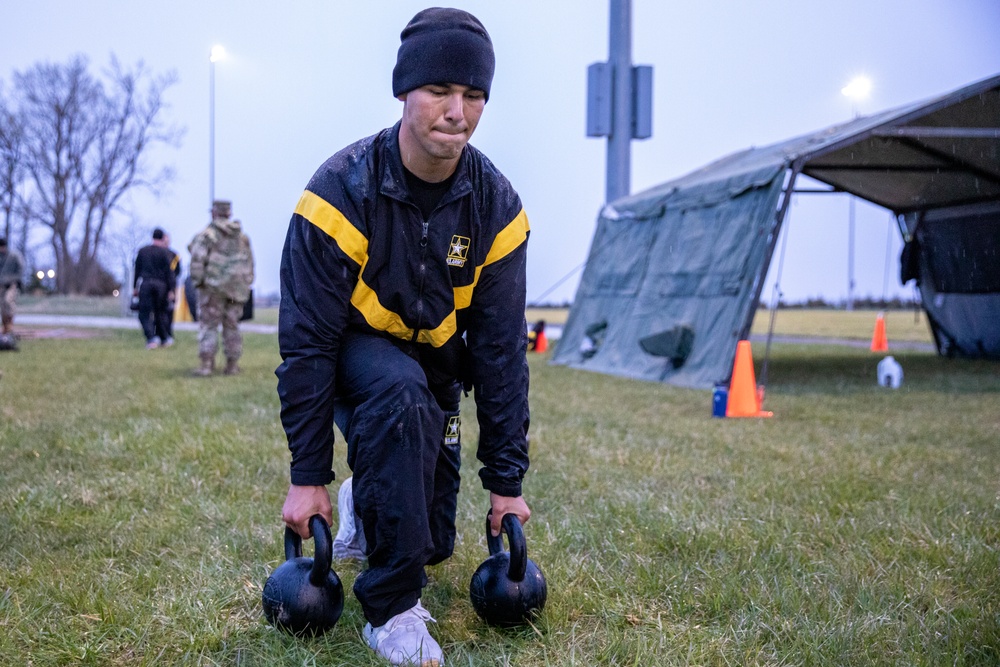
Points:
(42, 275)
(857, 89)
(218, 53)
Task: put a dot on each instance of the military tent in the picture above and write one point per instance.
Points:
(674, 274)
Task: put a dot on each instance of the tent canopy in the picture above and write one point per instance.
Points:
(674, 273)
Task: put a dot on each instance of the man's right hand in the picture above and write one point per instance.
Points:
(501, 505)
(301, 503)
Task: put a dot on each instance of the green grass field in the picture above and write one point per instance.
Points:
(140, 516)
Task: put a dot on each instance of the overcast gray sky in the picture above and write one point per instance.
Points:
(303, 78)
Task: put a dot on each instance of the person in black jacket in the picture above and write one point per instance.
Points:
(403, 282)
(153, 283)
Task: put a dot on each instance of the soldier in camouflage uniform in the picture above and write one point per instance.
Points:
(11, 271)
(222, 270)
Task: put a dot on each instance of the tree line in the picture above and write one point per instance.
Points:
(72, 146)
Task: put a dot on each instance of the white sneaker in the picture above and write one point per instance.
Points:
(350, 540)
(404, 640)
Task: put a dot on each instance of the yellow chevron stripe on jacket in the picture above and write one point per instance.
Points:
(324, 215)
(352, 242)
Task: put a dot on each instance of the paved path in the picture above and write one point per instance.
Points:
(92, 322)
(87, 321)
(913, 346)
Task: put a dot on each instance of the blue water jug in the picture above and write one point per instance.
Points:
(720, 399)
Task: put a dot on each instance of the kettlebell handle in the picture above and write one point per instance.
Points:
(515, 538)
(323, 558)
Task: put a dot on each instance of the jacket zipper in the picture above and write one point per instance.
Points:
(420, 285)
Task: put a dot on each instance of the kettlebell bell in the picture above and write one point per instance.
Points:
(304, 596)
(508, 589)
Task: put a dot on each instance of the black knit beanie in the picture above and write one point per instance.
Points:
(442, 45)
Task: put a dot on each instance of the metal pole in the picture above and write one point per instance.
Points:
(772, 242)
(211, 132)
(850, 253)
(888, 254)
(620, 140)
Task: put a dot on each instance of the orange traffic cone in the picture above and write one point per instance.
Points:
(879, 341)
(541, 342)
(744, 395)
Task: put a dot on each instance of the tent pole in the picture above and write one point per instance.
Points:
(772, 243)
(774, 310)
(888, 260)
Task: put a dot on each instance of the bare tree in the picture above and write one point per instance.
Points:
(84, 149)
(11, 171)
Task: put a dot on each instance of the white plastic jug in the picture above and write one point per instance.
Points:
(890, 373)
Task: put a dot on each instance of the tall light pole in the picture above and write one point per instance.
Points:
(217, 54)
(856, 90)
(619, 154)
(619, 100)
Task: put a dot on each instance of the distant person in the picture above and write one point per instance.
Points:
(154, 284)
(175, 267)
(11, 275)
(403, 279)
(222, 271)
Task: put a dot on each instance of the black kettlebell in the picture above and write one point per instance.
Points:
(508, 589)
(304, 596)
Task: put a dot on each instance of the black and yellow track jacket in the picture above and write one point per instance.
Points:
(358, 254)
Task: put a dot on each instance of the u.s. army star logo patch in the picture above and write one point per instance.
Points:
(458, 251)
(453, 431)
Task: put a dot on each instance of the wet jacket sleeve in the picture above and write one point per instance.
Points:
(497, 339)
(317, 278)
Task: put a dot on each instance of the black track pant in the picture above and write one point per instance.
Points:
(404, 449)
(154, 309)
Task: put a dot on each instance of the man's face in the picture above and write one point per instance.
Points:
(438, 121)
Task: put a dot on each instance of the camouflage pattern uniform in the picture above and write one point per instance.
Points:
(222, 270)
(11, 270)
